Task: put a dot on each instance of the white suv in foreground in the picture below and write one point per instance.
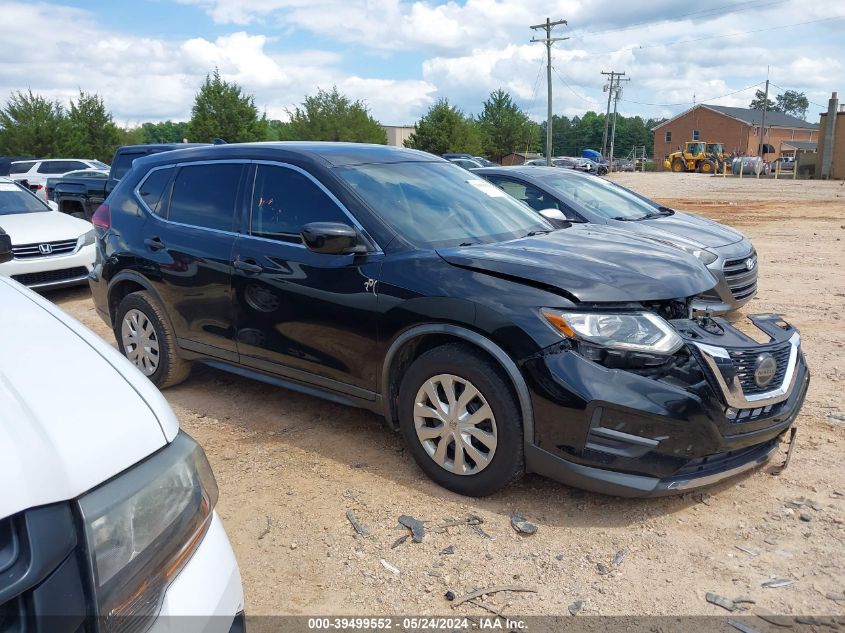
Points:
(107, 515)
(50, 249)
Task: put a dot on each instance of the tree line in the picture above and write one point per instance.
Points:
(32, 125)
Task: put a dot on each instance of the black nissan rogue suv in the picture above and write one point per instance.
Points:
(392, 280)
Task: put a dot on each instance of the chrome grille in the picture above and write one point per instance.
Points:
(744, 361)
(741, 280)
(31, 251)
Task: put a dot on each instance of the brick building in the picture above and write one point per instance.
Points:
(738, 129)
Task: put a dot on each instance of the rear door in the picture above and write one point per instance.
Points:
(308, 316)
(189, 238)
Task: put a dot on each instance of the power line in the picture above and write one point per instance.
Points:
(818, 105)
(754, 4)
(667, 105)
(719, 36)
(566, 83)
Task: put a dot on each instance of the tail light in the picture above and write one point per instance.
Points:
(102, 217)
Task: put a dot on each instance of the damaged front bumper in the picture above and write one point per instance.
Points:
(719, 409)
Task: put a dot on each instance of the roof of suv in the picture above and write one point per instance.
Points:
(329, 154)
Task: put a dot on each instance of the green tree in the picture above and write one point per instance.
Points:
(503, 126)
(90, 131)
(222, 110)
(794, 103)
(31, 125)
(445, 129)
(332, 116)
(165, 132)
(760, 100)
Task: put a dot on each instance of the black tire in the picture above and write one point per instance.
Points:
(507, 462)
(678, 166)
(171, 369)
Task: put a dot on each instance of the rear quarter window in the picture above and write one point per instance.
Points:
(21, 168)
(154, 190)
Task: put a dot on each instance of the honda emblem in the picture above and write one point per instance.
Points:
(45, 249)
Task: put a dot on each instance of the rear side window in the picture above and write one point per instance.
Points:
(529, 194)
(21, 168)
(204, 195)
(153, 189)
(284, 200)
(60, 166)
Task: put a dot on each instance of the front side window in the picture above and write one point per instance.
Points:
(434, 204)
(522, 191)
(204, 195)
(284, 200)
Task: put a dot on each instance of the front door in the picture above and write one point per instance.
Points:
(308, 316)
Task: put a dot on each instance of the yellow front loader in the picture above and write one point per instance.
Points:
(696, 156)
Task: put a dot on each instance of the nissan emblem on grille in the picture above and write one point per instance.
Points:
(765, 368)
(45, 249)
(750, 263)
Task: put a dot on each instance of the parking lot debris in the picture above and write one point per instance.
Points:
(360, 529)
(448, 550)
(487, 591)
(744, 600)
(449, 595)
(742, 626)
(576, 607)
(266, 530)
(778, 582)
(805, 517)
(417, 528)
(719, 601)
(619, 557)
(602, 569)
(521, 525)
(748, 550)
(836, 597)
(399, 541)
(773, 618)
(393, 570)
(480, 531)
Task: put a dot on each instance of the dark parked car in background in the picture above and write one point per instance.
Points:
(392, 280)
(727, 253)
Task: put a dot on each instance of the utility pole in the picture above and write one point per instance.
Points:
(763, 122)
(608, 88)
(548, 41)
(616, 90)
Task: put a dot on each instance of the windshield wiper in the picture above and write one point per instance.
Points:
(539, 232)
(622, 218)
(467, 244)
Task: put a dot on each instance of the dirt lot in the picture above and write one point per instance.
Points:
(290, 466)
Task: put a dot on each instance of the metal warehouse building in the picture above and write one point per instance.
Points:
(738, 129)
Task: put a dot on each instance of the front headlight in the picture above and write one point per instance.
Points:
(706, 257)
(631, 331)
(142, 527)
(85, 239)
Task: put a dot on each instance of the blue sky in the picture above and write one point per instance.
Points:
(147, 57)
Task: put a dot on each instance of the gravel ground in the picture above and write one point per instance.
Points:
(290, 466)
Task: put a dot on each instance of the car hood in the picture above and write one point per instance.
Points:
(592, 263)
(49, 226)
(73, 411)
(683, 228)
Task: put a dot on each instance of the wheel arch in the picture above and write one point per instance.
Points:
(126, 282)
(411, 343)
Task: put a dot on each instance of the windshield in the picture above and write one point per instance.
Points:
(599, 196)
(14, 200)
(695, 148)
(439, 204)
(99, 164)
(714, 148)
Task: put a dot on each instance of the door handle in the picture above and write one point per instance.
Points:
(247, 265)
(154, 243)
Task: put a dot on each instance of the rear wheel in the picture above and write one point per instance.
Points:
(678, 165)
(145, 338)
(461, 421)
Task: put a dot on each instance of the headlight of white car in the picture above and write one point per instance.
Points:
(142, 527)
(85, 239)
(631, 331)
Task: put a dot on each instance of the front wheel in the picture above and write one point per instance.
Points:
(461, 421)
(678, 166)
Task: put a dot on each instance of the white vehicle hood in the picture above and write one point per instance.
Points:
(73, 411)
(49, 226)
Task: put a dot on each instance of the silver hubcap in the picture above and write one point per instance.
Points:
(455, 425)
(140, 342)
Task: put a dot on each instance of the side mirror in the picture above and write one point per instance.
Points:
(5, 247)
(555, 215)
(331, 238)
